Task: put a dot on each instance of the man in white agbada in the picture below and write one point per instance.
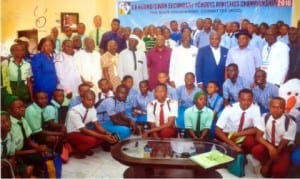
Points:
(66, 69)
(88, 63)
(133, 62)
(183, 60)
(275, 55)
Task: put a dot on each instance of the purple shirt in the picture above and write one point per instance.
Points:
(157, 61)
(113, 36)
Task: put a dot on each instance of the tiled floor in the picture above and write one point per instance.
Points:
(102, 165)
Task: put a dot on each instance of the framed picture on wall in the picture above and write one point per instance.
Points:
(69, 19)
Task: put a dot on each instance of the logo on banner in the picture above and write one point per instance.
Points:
(124, 8)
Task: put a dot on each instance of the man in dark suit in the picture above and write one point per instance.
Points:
(210, 62)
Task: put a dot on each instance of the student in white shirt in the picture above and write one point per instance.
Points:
(161, 114)
(80, 137)
(275, 133)
(237, 121)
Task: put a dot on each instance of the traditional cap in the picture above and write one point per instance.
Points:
(132, 36)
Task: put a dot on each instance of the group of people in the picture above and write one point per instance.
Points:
(217, 81)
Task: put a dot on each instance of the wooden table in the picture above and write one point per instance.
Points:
(131, 152)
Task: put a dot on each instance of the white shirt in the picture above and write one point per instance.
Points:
(126, 66)
(89, 67)
(280, 132)
(170, 43)
(229, 120)
(67, 73)
(153, 114)
(74, 120)
(217, 54)
(183, 60)
(276, 62)
(141, 46)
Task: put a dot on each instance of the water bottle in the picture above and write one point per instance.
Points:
(213, 148)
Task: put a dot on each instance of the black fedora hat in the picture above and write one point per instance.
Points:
(243, 32)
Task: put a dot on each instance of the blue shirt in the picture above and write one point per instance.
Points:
(215, 102)
(202, 39)
(185, 99)
(109, 107)
(130, 98)
(263, 96)
(172, 92)
(74, 101)
(231, 91)
(247, 59)
(44, 74)
(142, 101)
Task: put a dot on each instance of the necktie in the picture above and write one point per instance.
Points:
(134, 59)
(161, 115)
(42, 116)
(97, 36)
(198, 124)
(242, 119)
(1, 77)
(19, 77)
(85, 115)
(23, 130)
(4, 149)
(273, 132)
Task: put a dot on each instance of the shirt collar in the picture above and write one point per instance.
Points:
(14, 120)
(55, 103)
(195, 109)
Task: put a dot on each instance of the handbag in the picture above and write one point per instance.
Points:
(237, 167)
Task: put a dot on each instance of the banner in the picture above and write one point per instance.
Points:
(140, 13)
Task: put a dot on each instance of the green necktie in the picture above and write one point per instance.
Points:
(19, 77)
(97, 37)
(23, 130)
(198, 124)
(4, 149)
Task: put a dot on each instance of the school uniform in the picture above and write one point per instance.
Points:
(110, 107)
(216, 103)
(185, 101)
(263, 96)
(169, 109)
(172, 92)
(141, 102)
(129, 103)
(8, 147)
(18, 75)
(77, 118)
(231, 119)
(17, 133)
(198, 120)
(35, 117)
(231, 90)
(20, 132)
(281, 131)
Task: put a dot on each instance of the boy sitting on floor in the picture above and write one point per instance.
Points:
(81, 138)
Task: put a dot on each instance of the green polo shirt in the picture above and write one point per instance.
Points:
(149, 42)
(10, 144)
(33, 116)
(13, 70)
(16, 131)
(52, 110)
(191, 116)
